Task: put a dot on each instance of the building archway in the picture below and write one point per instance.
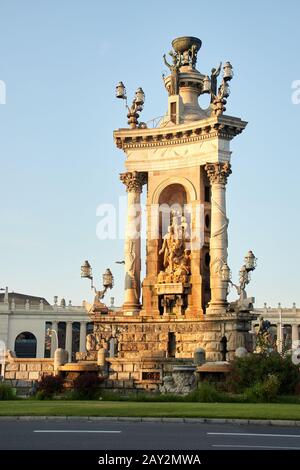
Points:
(25, 345)
(188, 186)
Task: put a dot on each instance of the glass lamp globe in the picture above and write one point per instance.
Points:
(139, 96)
(206, 85)
(228, 71)
(86, 270)
(108, 279)
(250, 261)
(121, 91)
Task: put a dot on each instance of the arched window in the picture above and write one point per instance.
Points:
(25, 345)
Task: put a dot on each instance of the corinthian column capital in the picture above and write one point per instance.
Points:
(218, 172)
(134, 181)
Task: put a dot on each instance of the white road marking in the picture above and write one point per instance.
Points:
(256, 447)
(251, 434)
(74, 431)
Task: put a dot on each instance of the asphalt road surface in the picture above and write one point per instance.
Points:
(113, 435)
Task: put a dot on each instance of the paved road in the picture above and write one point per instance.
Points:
(113, 435)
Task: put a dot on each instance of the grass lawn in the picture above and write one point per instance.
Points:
(150, 409)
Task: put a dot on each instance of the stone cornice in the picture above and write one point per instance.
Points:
(224, 127)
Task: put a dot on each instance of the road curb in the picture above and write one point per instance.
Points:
(262, 422)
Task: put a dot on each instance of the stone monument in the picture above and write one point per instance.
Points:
(183, 164)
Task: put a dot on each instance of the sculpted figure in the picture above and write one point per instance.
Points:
(168, 248)
(90, 342)
(174, 68)
(213, 79)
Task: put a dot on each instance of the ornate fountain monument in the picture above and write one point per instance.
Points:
(181, 305)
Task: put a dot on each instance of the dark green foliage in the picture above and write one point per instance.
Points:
(86, 386)
(48, 386)
(6, 392)
(263, 392)
(256, 368)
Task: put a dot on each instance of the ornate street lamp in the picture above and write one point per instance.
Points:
(121, 91)
(107, 279)
(86, 270)
(206, 88)
(244, 274)
(139, 97)
(227, 71)
(137, 103)
(250, 261)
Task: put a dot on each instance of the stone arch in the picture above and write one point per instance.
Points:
(26, 344)
(188, 186)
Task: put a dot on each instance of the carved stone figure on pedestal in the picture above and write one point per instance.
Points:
(167, 248)
(174, 68)
(176, 261)
(214, 81)
(90, 342)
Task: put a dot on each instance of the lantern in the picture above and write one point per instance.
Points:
(225, 273)
(121, 91)
(250, 261)
(227, 71)
(108, 279)
(86, 270)
(139, 97)
(226, 90)
(206, 85)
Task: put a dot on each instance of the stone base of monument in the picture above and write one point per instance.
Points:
(72, 370)
(213, 371)
(157, 354)
(181, 381)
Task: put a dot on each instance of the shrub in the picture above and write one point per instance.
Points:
(86, 386)
(6, 392)
(48, 386)
(40, 395)
(255, 368)
(265, 391)
(205, 393)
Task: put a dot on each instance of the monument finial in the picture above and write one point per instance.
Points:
(187, 47)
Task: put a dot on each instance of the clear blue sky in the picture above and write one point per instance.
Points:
(61, 60)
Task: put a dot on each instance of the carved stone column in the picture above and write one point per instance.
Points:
(134, 182)
(69, 334)
(295, 333)
(218, 174)
(279, 338)
(82, 337)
